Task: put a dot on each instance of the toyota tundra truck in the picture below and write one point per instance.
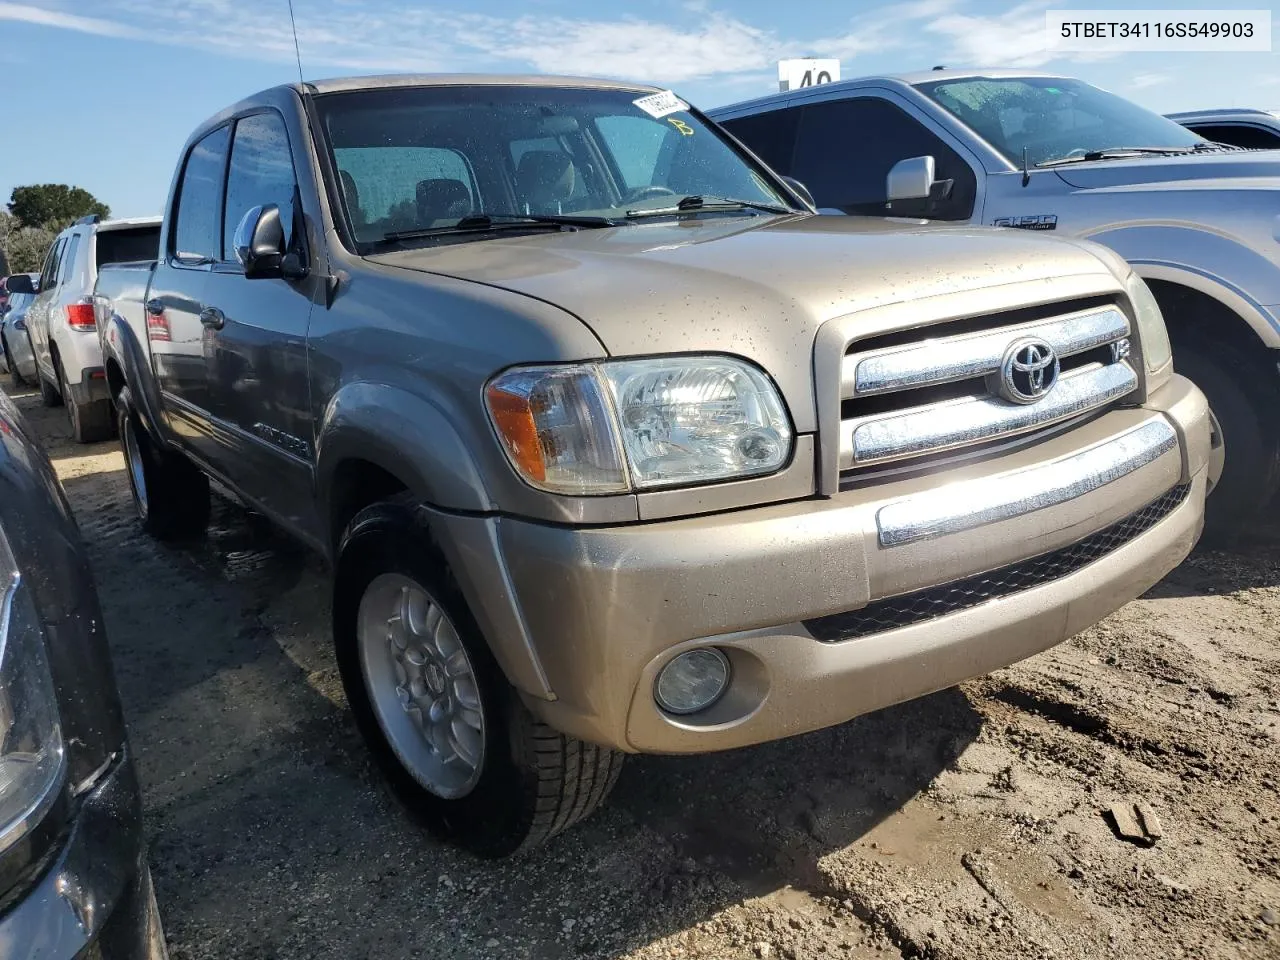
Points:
(614, 445)
(1024, 150)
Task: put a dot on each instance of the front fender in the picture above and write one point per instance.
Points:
(1219, 266)
(121, 345)
(407, 436)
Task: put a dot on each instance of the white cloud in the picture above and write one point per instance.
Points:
(1144, 80)
(697, 43)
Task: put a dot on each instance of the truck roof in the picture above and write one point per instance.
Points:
(343, 84)
(905, 79)
(1218, 114)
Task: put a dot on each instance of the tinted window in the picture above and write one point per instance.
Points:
(771, 136)
(845, 149)
(69, 259)
(128, 245)
(1239, 135)
(198, 234)
(50, 269)
(261, 172)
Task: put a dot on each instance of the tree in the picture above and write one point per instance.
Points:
(23, 247)
(47, 204)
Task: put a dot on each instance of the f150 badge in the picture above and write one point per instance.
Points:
(1032, 221)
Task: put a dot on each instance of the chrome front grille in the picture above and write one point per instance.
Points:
(940, 394)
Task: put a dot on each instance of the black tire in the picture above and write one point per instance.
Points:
(15, 378)
(50, 396)
(90, 422)
(1243, 393)
(173, 502)
(534, 782)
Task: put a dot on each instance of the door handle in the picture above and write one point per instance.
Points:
(213, 317)
(155, 307)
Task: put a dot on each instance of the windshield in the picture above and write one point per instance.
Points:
(425, 158)
(1054, 119)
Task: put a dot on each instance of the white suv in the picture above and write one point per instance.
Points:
(64, 337)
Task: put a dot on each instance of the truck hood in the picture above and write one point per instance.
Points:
(1256, 169)
(757, 287)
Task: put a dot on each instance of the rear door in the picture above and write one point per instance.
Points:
(41, 309)
(176, 297)
(256, 336)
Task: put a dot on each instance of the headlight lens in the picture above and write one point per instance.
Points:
(31, 751)
(625, 425)
(1156, 351)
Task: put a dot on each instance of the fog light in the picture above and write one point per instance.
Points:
(692, 681)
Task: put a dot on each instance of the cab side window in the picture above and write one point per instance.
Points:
(261, 172)
(845, 149)
(770, 136)
(197, 234)
(1240, 135)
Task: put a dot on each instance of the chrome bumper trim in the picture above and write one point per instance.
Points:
(957, 423)
(947, 359)
(973, 503)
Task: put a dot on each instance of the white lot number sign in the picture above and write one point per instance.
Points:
(806, 73)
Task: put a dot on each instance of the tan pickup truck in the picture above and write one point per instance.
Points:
(614, 445)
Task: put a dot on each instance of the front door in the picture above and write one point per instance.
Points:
(255, 337)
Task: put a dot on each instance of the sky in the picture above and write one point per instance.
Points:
(103, 93)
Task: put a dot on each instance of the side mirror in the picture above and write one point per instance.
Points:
(19, 283)
(800, 190)
(259, 242)
(910, 179)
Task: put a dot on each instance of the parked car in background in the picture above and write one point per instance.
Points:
(1053, 154)
(19, 359)
(1245, 128)
(60, 320)
(74, 880)
(614, 445)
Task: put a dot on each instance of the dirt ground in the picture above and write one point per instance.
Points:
(967, 824)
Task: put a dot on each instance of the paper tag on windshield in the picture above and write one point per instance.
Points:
(660, 104)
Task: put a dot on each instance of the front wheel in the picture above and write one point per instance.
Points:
(15, 377)
(457, 746)
(1244, 467)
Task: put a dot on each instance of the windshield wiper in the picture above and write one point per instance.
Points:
(696, 203)
(488, 222)
(1116, 153)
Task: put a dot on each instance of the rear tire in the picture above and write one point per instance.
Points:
(50, 396)
(1243, 394)
(170, 495)
(90, 422)
(528, 782)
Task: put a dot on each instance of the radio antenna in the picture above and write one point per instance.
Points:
(296, 52)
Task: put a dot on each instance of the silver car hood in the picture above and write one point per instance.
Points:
(752, 286)
(1232, 170)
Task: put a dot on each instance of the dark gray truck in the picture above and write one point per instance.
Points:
(614, 445)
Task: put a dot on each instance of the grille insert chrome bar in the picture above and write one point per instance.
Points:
(974, 503)
(938, 427)
(960, 357)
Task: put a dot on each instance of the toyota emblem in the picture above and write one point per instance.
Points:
(1028, 371)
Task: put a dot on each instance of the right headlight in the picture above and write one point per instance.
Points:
(622, 425)
(31, 749)
(1152, 334)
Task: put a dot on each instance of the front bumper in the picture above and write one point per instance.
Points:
(95, 900)
(602, 610)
